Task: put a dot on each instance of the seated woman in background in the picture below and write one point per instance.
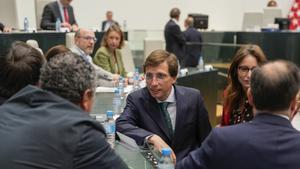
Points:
(236, 108)
(108, 56)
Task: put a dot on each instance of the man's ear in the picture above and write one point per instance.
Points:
(87, 100)
(294, 107)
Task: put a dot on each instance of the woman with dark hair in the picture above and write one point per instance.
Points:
(109, 56)
(236, 108)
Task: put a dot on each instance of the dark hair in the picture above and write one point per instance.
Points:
(274, 85)
(159, 56)
(112, 28)
(68, 75)
(56, 50)
(234, 90)
(175, 13)
(20, 67)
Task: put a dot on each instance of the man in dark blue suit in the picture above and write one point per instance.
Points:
(193, 47)
(108, 22)
(174, 38)
(269, 141)
(59, 9)
(182, 125)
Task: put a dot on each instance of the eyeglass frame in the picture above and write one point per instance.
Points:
(158, 76)
(246, 70)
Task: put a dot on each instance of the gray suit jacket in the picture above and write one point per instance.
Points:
(51, 13)
(104, 77)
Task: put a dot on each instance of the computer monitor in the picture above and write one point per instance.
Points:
(283, 23)
(200, 20)
(270, 14)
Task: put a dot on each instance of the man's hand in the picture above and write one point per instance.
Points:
(159, 144)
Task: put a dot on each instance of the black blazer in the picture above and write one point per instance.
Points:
(39, 129)
(51, 13)
(175, 41)
(192, 51)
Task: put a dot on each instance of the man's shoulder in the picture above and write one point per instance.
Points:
(188, 90)
(53, 4)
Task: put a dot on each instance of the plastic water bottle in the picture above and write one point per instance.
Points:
(57, 25)
(26, 24)
(166, 161)
(121, 88)
(200, 64)
(136, 80)
(110, 128)
(117, 102)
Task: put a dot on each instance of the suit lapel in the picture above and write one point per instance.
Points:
(57, 11)
(180, 112)
(153, 110)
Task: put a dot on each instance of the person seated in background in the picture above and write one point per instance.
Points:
(59, 9)
(175, 40)
(109, 56)
(56, 50)
(269, 141)
(192, 51)
(108, 22)
(3, 28)
(20, 67)
(272, 3)
(162, 113)
(50, 127)
(84, 45)
(236, 108)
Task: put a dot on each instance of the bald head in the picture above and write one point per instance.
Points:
(85, 40)
(189, 22)
(274, 85)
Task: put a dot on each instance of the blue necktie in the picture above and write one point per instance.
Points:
(163, 108)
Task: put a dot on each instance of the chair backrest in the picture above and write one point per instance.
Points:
(39, 7)
(127, 58)
(270, 14)
(33, 43)
(151, 45)
(70, 41)
(252, 20)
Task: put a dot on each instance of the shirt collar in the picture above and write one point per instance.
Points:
(173, 19)
(60, 4)
(282, 115)
(170, 98)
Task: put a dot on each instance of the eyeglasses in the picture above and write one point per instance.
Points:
(245, 69)
(88, 38)
(159, 76)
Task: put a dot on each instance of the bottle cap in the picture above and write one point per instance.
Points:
(166, 151)
(109, 113)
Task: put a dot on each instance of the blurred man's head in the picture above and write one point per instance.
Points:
(71, 77)
(274, 87)
(20, 67)
(189, 22)
(175, 13)
(109, 15)
(85, 39)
